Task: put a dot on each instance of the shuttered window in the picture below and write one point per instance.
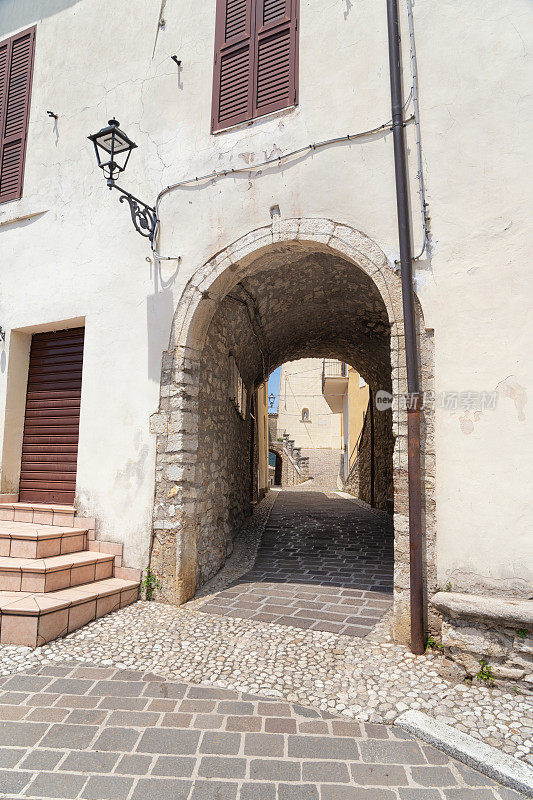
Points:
(256, 59)
(16, 68)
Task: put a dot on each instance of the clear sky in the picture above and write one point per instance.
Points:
(273, 388)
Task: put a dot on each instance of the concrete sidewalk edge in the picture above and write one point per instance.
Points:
(499, 766)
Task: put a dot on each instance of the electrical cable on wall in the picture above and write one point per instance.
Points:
(281, 159)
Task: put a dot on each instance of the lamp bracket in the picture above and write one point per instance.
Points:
(143, 216)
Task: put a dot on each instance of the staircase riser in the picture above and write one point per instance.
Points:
(44, 548)
(27, 581)
(33, 631)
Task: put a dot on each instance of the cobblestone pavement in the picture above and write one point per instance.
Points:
(369, 680)
(324, 563)
(105, 734)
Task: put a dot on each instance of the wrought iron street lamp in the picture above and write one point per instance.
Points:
(271, 400)
(113, 150)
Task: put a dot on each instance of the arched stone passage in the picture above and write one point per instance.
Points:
(303, 288)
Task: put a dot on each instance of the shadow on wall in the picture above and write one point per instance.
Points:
(16, 14)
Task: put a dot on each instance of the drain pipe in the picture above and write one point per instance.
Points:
(413, 380)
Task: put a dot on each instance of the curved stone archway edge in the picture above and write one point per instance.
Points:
(177, 509)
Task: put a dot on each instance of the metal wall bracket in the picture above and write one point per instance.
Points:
(143, 216)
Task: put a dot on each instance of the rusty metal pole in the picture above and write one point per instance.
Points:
(411, 351)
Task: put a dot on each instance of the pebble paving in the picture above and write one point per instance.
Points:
(364, 680)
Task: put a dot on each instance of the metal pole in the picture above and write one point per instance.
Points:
(413, 384)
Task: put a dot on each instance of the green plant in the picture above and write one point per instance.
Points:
(448, 587)
(485, 673)
(432, 644)
(150, 583)
(521, 633)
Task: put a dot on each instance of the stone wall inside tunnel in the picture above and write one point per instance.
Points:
(320, 290)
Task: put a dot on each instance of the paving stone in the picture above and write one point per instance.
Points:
(179, 720)
(73, 737)
(302, 792)
(474, 778)
(22, 734)
(433, 776)
(391, 752)
(122, 703)
(108, 787)
(53, 784)
(75, 701)
(134, 764)
(119, 740)
(134, 719)
(10, 756)
(12, 712)
(420, 794)
(244, 723)
(208, 693)
(222, 767)
(89, 762)
(379, 775)
(280, 725)
(331, 792)
(174, 766)
(117, 688)
(13, 782)
(168, 741)
(274, 770)
(325, 772)
(323, 747)
(167, 690)
(468, 794)
(213, 790)
(257, 791)
(236, 708)
(161, 789)
(86, 716)
(48, 715)
(69, 686)
(264, 744)
(225, 744)
(42, 760)
(26, 683)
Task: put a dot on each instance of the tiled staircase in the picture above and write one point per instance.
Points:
(55, 576)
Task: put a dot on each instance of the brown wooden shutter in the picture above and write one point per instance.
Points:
(16, 68)
(50, 441)
(233, 73)
(276, 55)
(256, 59)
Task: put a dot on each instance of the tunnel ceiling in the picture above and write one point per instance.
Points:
(316, 306)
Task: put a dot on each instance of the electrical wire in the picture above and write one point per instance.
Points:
(281, 159)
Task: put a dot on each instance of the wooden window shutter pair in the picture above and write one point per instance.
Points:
(16, 68)
(256, 59)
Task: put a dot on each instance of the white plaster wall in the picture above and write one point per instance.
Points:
(82, 257)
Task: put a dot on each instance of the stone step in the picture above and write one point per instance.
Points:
(33, 619)
(42, 513)
(55, 573)
(33, 540)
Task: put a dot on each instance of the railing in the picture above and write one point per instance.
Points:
(333, 369)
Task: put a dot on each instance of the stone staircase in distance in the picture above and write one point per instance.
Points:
(55, 576)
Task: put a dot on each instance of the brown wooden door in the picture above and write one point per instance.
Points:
(50, 443)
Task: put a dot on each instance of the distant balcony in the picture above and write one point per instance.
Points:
(334, 383)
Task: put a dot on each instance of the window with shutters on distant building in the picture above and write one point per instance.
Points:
(256, 60)
(16, 68)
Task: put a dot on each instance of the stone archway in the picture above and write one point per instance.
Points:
(365, 329)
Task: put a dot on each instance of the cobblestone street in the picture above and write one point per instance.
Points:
(323, 563)
(286, 708)
(98, 733)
